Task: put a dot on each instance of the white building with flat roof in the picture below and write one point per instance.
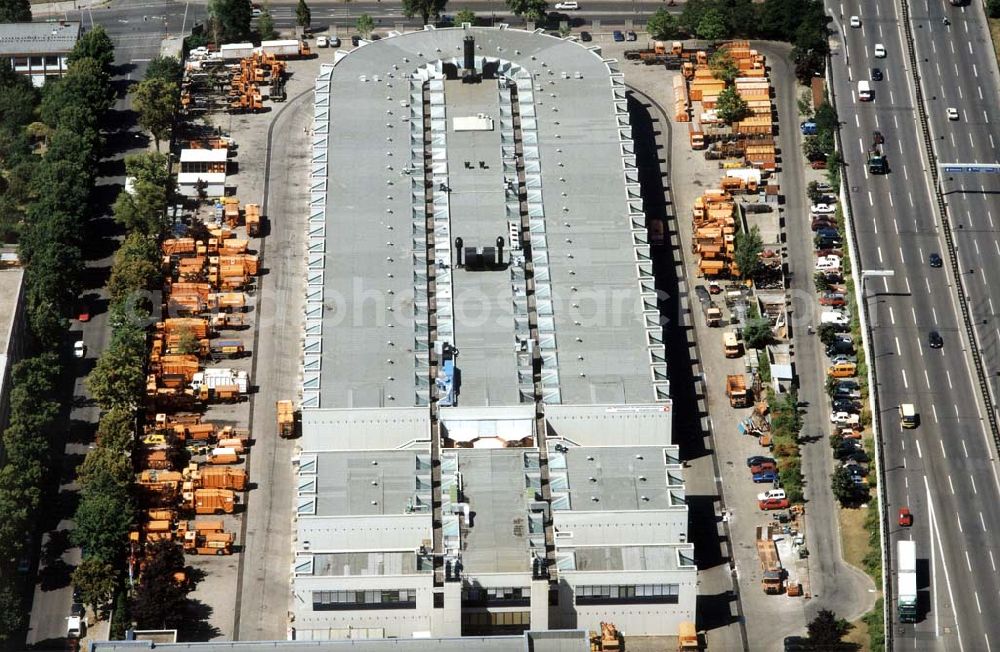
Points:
(38, 50)
(486, 424)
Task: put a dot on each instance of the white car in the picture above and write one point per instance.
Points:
(777, 494)
(828, 262)
(845, 418)
(952, 113)
(834, 317)
(322, 42)
(256, 12)
(572, 5)
(823, 209)
(879, 51)
(855, 21)
(79, 349)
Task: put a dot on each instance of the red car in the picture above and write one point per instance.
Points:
(832, 299)
(761, 468)
(905, 517)
(773, 503)
(82, 311)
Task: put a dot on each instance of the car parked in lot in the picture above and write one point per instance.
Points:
(842, 390)
(823, 209)
(568, 5)
(845, 405)
(843, 358)
(618, 36)
(822, 223)
(836, 348)
(763, 467)
(765, 476)
(322, 42)
(630, 36)
(759, 459)
(828, 233)
(79, 349)
(827, 263)
(835, 299)
(766, 504)
(834, 317)
(845, 418)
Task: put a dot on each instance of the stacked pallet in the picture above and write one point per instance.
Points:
(714, 233)
(682, 104)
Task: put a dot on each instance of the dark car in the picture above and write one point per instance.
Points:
(839, 347)
(759, 459)
(876, 74)
(878, 138)
(334, 42)
(763, 467)
(630, 36)
(355, 40)
(845, 405)
(935, 260)
(823, 223)
(828, 232)
(828, 243)
(765, 476)
(856, 454)
(934, 340)
(618, 36)
(586, 37)
(77, 609)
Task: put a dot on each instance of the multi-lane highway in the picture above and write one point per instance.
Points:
(944, 470)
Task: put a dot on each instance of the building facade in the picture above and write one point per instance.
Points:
(38, 50)
(487, 429)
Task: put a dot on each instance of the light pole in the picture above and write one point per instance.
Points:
(865, 275)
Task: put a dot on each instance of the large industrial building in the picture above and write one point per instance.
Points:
(486, 427)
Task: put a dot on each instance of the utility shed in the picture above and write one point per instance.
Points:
(207, 166)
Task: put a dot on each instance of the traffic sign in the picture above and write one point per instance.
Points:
(971, 168)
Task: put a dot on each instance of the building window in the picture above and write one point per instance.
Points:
(485, 623)
(52, 62)
(501, 596)
(627, 594)
(20, 62)
(36, 62)
(352, 600)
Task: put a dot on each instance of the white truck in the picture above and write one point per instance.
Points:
(906, 581)
(285, 48)
(212, 378)
(236, 51)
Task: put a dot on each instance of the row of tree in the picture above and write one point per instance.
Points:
(51, 143)
(229, 20)
(107, 509)
(803, 23)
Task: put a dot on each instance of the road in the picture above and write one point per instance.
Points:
(133, 21)
(53, 594)
(944, 470)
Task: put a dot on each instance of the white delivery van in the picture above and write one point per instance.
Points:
(865, 91)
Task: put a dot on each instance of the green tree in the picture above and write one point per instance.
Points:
(465, 16)
(722, 66)
(15, 11)
(105, 469)
(712, 26)
(827, 629)
(265, 25)
(187, 343)
(423, 8)
(83, 94)
(748, 248)
(96, 580)
(151, 167)
(533, 10)
(156, 102)
(117, 379)
(844, 489)
(812, 148)
(229, 20)
(96, 45)
(303, 16)
(804, 104)
(165, 68)
(116, 429)
(663, 25)
(144, 209)
(12, 611)
(365, 25)
(757, 333)
(158, 600)
(993, 8)
(103, 520)
(730, 107)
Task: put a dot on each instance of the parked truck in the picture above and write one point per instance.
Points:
(208, 543)
(210, 501)
(286, 49)
(713, 315)
(736, 390)
(219, 477)
(214, 378)
(687, 637)
(773, 579)
(731, 345)
(906, 581)
(286, 419)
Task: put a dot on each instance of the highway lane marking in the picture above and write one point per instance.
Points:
(921, 347)
(879, 250)
(975, 71)
(989, 214)
(901, 256)
(968, 562)
(980, 89)
(956, 71)
(890, 194)
(987, 637)
(909, 195)
(891, 99)
(933, 407)
(907, 177)
(906, 385)
(955, 405)
(899, 351)
(952, 137)
(959, 519)
(948, 374)
(976, 243)
(920, 453)
(997, 245)
(880, 29)
(938, 66)
(986, 117)
(993, 563)
(927, 281)
(972, 142)
(947, 578)
(895, 121)
(992, 311)
(945, 455)
(895, 225)
(964, 448)
(913, 313)
(970, 47)
(982, 521)
(857, 122)
(973, 481)
(976, 593)
(960, 94)
(991, 142)
(951, 486)
(871, 202)
(892, 317)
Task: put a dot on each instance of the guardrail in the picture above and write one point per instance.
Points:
(963, 303)
(873, 398)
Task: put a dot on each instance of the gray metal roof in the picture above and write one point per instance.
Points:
(610, 479)
(361, 483)
(600, 335)
(38, 38)
(548, 641)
